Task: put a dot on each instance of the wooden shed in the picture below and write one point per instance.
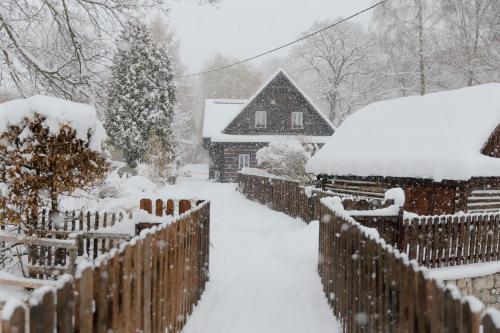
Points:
(443, 149)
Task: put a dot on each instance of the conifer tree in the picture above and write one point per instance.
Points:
(141, 95)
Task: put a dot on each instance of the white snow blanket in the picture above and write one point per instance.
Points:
(219, 113)
(58, 112)
(436, 136)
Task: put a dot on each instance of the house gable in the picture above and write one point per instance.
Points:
(279, 98)
(492, 146)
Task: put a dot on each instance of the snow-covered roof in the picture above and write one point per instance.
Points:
(219, 113)
(436, 136)
(58, 112)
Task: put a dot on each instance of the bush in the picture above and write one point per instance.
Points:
(42, 156)
(285, 159)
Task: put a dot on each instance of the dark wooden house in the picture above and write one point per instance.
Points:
(234, 130)
(443, 149)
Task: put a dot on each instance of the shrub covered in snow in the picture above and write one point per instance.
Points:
(284, 158)
(48, 147)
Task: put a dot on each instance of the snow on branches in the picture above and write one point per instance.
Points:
(48, 147)
(142, 94)
(284, 158)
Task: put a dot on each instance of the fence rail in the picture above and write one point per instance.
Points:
(372, 287)
(149, 285)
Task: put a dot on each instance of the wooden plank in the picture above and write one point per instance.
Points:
(125, 309)
(137, 301)
(115, 286)
(86, 300)
(16, 323)
(147, 277)
(65, 307)
(101, 283)
(41, 314)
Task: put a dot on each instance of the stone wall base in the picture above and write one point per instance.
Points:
(486, 288)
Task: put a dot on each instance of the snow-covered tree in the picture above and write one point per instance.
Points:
(470, 45)
(336, 58)
(405, 34)
(62, 47)
(141, 94)
(184, 129)
(285, 159)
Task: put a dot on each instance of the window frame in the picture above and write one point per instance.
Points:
(258, 122)
(246, 161)
(301, 126)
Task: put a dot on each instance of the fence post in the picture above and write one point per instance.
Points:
(159, 207)
(65, 306)
(16, 321)
(170, 207)
(184, 206)
(147, 205)
(42, 314)
(86, 300)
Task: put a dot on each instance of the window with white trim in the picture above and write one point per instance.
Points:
(243, 161)
(297, 120)
(260, 119)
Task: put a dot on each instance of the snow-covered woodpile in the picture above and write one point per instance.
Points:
(440, 148)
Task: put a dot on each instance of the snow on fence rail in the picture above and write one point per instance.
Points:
(434, 241)
(149, 284)
(372, 287)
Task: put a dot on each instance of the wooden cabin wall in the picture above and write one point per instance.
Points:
(429, 199)
(483, 196)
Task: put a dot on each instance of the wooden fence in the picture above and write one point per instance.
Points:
(433, 241)
(372, 287)
(149, 284)
(449, 240)
(49, 254)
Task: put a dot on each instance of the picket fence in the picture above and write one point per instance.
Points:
(372, 287)
(149, 284)
(433, 241)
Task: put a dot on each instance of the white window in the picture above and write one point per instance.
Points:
(243, 161)
(260, 119)
(297, 120)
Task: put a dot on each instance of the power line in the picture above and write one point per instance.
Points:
(287, 44)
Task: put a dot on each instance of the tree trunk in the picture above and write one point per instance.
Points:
(420, 27)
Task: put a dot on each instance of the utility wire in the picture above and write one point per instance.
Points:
(287, 44)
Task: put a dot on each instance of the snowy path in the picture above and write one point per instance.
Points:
(263, 270)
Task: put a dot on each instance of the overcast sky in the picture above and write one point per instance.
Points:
(242, 28)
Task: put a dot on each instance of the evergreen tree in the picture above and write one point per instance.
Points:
(142, 95)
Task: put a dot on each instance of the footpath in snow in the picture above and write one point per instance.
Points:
(263, 264)
(262, 269)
